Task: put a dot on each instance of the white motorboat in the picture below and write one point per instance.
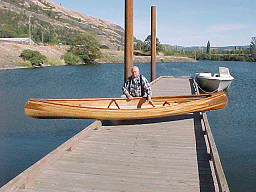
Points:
(209, 82)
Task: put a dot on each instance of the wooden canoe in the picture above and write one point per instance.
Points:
(122, 109)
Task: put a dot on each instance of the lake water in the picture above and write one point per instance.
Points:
(24, 140)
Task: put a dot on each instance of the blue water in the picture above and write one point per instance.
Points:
(24, 140)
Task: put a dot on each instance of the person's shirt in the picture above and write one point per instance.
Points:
(137, 87)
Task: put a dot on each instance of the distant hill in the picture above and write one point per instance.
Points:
(53, 22)
(225, 48)
(203, 48)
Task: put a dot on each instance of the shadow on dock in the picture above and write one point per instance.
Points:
(146, 121)
(203, 157)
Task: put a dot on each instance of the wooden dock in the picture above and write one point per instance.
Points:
(167, 154)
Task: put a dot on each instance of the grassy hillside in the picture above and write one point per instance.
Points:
(52, 23)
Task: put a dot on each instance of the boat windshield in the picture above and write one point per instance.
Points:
(224, 71)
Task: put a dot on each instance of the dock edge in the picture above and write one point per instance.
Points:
(214, 155)
(27, 176)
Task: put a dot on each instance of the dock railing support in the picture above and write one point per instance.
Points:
(220, 176)
(128, 55)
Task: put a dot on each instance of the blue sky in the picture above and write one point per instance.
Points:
(181, 22)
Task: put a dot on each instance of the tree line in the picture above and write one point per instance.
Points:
(85, 48)
(236, 54)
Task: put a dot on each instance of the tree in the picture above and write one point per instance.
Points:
(158, 44)
(145, 46)
(86, 46)
(208, 49)
(253, 47)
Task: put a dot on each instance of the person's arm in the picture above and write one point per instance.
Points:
(125, 90)
(129, 97)
(148, 91)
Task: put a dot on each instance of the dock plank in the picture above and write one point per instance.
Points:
(124, 158)
(155, 155)
(171, 86)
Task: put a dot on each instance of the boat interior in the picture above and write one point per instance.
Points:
(120, 103)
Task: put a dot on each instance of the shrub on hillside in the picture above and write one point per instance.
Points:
(36, 61)
(35, 57)
(26, 54)
(71, 59)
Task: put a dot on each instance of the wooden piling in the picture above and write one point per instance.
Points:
(153, 43)
(128, 57)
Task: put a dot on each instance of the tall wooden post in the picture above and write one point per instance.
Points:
(153, 43)
(128, 55)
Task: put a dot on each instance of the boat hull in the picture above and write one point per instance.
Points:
(216, 82)
(212, 84)
(122, 109)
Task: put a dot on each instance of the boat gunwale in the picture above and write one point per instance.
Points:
(215, 78)
(227, 78)
(53, 102)
(119, 98)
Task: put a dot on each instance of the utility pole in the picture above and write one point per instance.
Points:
(42, 37)
(29, 28)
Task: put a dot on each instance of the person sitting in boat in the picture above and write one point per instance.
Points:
(137, 86)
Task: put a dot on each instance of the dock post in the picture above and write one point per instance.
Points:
(153, 43)
(128, 55)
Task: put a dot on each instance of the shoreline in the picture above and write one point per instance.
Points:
(136, 60)
(10, 52)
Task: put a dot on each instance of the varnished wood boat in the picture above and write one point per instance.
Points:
(121, 109)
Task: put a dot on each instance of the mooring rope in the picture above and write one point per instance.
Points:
(216, 90)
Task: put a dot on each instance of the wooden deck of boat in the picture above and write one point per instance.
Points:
(167, 154)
